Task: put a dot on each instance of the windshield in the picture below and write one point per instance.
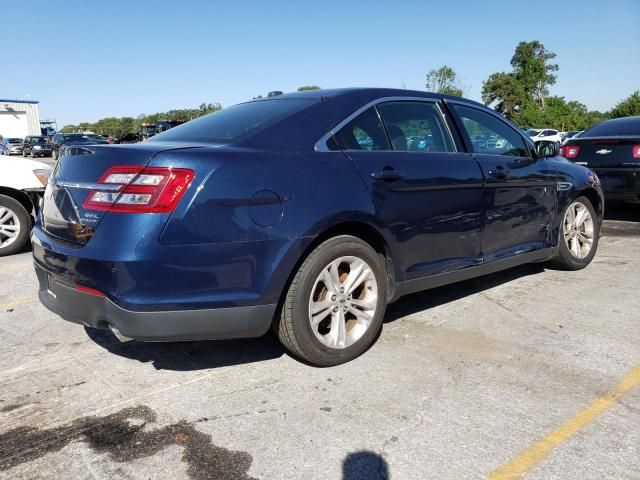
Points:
(39, 139)
(234, 124)
(15, 140)
(532, 132)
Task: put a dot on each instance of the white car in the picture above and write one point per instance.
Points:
(548, 134)
(22, 184)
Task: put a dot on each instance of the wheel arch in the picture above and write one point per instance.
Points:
(595, 198)
(361, 229)
(19, 196)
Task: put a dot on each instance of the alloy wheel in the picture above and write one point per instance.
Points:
(343, 302)
(9, 227)
(578, 230)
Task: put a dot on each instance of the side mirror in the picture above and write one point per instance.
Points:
(545, 149)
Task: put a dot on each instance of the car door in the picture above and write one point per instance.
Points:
(427, 193)
(520, 190)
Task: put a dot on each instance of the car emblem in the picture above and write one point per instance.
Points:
(603, 151)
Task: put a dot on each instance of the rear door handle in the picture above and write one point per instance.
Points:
(499, 172)
(388, 174)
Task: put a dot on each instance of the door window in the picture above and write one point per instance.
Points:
(489, 134)
(364, 132)
(415, 127)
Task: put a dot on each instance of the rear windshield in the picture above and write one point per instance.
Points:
(233, 124)
(615, 128)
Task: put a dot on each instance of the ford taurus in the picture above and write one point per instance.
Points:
(306, 212)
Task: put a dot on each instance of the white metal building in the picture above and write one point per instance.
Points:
(19, 118)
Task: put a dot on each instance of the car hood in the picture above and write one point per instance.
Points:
(18, 173)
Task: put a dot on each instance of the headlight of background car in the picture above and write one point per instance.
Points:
(43, 176)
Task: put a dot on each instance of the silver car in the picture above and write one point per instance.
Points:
(14, 146)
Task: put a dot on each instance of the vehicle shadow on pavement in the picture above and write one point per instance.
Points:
(191, 356)
(365, 465)
(450, 293)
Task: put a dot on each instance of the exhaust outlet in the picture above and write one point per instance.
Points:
(122, 338)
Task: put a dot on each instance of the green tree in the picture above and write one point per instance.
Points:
(118, 127)
(308, 87)
(628, 107)
(522, 95)
(506, 93)
(443, 80)
(532, 69)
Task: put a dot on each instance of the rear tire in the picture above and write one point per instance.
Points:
(335, 305)
(15, 225)
(579, 232)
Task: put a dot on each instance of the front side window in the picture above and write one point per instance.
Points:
(365, 132)
(415, 127)
(490, 135)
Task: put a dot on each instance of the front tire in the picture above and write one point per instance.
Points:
(15, 224)
(335, 304)
(578, 236)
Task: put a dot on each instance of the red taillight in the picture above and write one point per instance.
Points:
(135, 189)
(570, 151)
(89, 290)
(636, 151)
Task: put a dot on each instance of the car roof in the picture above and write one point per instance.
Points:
(327, 108)
(373, 92)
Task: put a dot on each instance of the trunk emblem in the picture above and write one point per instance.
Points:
(603, 151)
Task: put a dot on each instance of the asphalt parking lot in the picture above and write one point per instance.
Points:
(528, 372)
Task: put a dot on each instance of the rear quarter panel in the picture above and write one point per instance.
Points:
(262, 198)
(249, 195)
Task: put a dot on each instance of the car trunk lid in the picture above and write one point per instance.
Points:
(77, 174)
(611, 158)
(606, 152)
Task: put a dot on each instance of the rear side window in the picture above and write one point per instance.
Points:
(234, 124)
(365, 132)
(489, 134)
(615, 128)
(415, 127)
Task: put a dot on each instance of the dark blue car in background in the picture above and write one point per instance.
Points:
(308, 212)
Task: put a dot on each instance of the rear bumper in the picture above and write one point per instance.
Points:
(620, 184)
(203, 324)
(614, 196)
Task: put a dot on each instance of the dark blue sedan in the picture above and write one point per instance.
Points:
(308, 213)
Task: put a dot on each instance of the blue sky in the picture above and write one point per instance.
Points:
(86, 60)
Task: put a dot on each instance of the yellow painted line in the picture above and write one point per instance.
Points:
(543, 447)
(19, 301)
